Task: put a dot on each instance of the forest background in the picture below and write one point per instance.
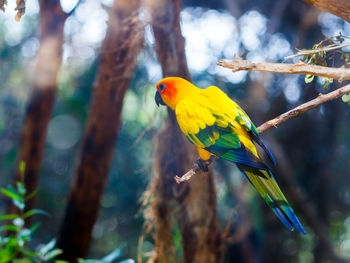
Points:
(77, 106)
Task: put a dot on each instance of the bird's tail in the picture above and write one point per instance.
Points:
(266, 185)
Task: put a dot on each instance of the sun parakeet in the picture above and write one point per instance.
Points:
(217, 125)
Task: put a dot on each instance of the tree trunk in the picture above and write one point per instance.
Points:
(118, 57)
(43, 93)
(196, 199)
(339, 8)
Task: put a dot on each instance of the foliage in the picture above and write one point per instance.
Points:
(14, 246)
(20, 8)
(111, 257)
(321, 168)
(15, 235)
(325, 54)
(346, 98)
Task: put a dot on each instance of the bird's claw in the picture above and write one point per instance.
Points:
(203, 165)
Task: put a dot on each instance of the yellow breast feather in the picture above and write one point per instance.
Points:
(211, 107)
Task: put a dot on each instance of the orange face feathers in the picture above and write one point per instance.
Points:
(167, 89)
(173, 89)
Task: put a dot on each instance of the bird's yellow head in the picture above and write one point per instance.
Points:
(173, 89)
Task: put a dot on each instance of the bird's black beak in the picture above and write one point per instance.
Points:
(159, 99)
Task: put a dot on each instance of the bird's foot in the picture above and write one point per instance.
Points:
(202, 164)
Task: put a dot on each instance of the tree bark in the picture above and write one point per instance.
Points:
(339, 8)
(238, 64)
(196, 200)
(118, 57)
(43, 93)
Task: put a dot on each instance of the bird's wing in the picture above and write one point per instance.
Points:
(212, 121)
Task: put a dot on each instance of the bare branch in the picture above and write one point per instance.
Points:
(317, 50)
(238, 64)
(321, 98)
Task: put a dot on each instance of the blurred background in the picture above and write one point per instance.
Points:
(312, 151)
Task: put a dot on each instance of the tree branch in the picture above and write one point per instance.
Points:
(321, 98)
(317, 50)
(339, 8)
(238, 64)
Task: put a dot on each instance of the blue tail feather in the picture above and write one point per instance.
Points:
(280, 214)
(296, 221)
(267, 186)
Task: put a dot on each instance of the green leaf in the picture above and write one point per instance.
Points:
(113, 255)
(8, 217)
(30, 253)
(14, 196)
(11, 193)
(309, 78)
(346, 97)
(19, 204)
(80, 260)
(20, 188)
(34, 212)
(47, 247)
(24, 234)
(7, 254)
(53, 253)
(31, 195)
(9, 251)
(22, 167)
(22, 260)
(34, 227)
(326, 81)
(9, 228)
(128, 260)
(60, 261)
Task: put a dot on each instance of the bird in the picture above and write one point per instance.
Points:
(218, 126)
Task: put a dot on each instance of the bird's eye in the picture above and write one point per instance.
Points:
(161, 86)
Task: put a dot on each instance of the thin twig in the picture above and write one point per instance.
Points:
(321, 98)
(317, 50)
(195, 169)
(238, 64)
